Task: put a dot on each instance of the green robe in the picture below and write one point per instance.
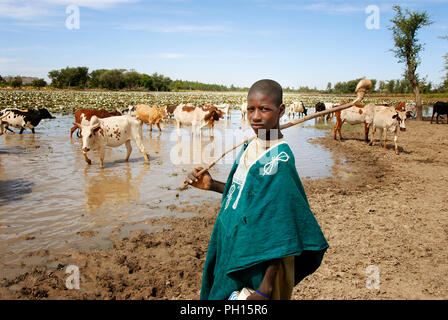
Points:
(264, 215)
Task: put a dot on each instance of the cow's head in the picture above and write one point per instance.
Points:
(44, 114)
(2, 124)
(401, 118)
(89, 133)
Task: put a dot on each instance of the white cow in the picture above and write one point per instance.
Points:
(2, 124)
(330, 105)
(197, 117)
(243, 108)
(355, 115)
(296, 107)
(111, 132)
(388, 119)
(225, 108)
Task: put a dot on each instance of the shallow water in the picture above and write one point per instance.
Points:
(49, 197)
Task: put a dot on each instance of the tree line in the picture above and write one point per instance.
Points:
(122, 79)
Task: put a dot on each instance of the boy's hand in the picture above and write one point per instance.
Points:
(204, 181)
(256, 296)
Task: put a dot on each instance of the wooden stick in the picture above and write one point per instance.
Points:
(363, 86)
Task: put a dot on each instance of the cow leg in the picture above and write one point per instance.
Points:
(372, 137)
(128, 149)
(138, 141)
(32, 130)
(7, 128)
(86, 158)
(396, 143)
(366, 132)
(102, 154)
(158, 127)
(21, 130)
(385, 137)
(150, 127)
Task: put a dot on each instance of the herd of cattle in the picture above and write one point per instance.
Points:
(100, 128)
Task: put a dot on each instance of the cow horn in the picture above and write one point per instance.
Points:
(77, 124)
(5, 115)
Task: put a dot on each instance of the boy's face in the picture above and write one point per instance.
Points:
(262, 112)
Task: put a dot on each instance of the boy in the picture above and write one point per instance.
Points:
(265, 236)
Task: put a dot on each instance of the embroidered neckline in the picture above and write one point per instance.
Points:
(235, 204)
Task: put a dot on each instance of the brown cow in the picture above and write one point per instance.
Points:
(88, 113)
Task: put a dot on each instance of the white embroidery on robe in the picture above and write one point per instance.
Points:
(229, 195)
(273, 164)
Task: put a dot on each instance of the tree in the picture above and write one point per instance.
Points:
(328, 87)
(131, 79)
(445, 82)
(39, 83)
(112, 79)
(16, 82)
(407, 47)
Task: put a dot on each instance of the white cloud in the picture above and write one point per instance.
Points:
(93, 4)
(32, 10)
(171, 55)
(186, 28)
(8, 60)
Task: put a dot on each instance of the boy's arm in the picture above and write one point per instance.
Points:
(267, 285)
(217, 186)
(204, 181)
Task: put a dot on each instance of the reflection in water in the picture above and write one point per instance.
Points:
(109, 187)
(155, 143)
(14, 190)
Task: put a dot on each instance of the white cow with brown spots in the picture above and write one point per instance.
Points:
(355, 115)
(197, 117)
(111, 132)
(388, 120)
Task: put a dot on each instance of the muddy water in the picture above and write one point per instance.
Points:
(50, 198)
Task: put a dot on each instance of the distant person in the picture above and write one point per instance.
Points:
(265, 237)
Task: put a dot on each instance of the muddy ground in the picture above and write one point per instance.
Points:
(384, 216)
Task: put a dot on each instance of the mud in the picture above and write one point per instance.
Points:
(378, 210)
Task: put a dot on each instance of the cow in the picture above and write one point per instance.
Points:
(243, 108)
(297, 107)
(408, 107)
(2, 124)
(130, 111)
(355, 115)
(111, 132)
(225, 108)
(440, 108)
(86, 114)
(170, 109)
(24, 118)
(197, 117)
(322, 106)
(388, 119)
(150, 115)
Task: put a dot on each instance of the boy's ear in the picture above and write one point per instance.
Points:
(282, 110)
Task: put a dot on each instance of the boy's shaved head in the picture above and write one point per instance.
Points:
(270, 88)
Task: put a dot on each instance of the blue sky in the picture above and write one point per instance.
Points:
(297, 43)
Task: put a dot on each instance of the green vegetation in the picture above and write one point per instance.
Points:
(407, 47)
